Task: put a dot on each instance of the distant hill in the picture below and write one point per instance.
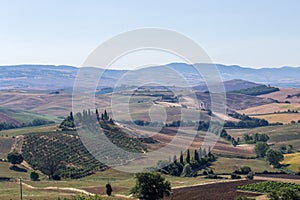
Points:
(232, 85)
(51, 77)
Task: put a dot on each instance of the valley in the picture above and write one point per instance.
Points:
(154, 121)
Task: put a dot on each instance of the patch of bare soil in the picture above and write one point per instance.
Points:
(215, 191)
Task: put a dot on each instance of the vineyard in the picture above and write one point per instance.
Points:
(268, 186)
(66, 151)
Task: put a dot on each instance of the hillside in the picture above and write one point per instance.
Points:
(231, 85)
(279, 135)
(51, 77)
(12, 118)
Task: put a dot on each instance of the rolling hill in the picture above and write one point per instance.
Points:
(19, 118)
(51, 77)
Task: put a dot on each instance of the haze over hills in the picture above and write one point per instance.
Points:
(51, 77)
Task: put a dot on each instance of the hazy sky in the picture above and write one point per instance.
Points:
(256, 33)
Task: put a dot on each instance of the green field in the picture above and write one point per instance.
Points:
(26, 117)
(228, 165)
(27, 130)
(121, 182)
(279, 135)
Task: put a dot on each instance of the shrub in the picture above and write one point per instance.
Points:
(15, 158)
(235, 176)
(250, 175)
(34, 176)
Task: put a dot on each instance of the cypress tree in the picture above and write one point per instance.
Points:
(97, 115)
(196, 155)
(200, 153)
(188, 156)
(175, 159)
(181, 158)
(71, 116)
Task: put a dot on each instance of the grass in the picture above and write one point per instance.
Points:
(121, 180)
(11, 191)
(228, 165)
(279, 135)
(293, 161)
(24, 116)
(27, 130)
(284, 118)
(6, 172)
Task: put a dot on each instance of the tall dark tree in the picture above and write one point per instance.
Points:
(71, 116)
(204, 152)
(105, 115)
(108, 189)
(188, 156)
(97, 115)
(175, 159)
(200, 153)
(181, 158)
(196, 156)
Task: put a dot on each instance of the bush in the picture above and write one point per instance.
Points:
(244, 170)
(235, 176)
(34, 176)
(56, 178)
(250, 175)
(15, 158)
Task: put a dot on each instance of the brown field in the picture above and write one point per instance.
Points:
(221, 147)
(285, 118)
(5, 118)
(267, 112)
(214, 191)
(270, 108)
(5, 146)
(282, 94)
(42, 103)
(237, 101)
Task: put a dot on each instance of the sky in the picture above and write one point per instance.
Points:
(250, 33)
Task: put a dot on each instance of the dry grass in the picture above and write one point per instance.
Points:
(284, 118)
(270, 108)
(282, 94)
(293, 160)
